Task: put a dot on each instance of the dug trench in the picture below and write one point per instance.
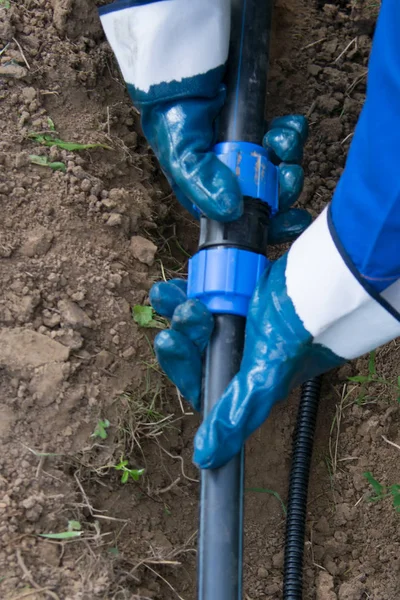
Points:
(83, 404)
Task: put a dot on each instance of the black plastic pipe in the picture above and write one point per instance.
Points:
(298, 489)
(242, 119)
(221, 504)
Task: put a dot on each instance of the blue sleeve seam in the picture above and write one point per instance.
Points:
(122, 4)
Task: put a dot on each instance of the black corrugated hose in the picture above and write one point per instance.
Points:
(298, 489)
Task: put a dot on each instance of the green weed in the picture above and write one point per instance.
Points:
(74, 531)
(5, 3)
(101, 429)
(145, 316)
(43, 161)
(50, 139)
(135, 474)
(381, 491)
(373, 378)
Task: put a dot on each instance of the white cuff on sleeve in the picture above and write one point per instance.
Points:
(333, 306)
(169, 40)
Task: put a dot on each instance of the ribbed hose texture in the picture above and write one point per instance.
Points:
(298, 489)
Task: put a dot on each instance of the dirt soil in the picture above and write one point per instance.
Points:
(80, 248)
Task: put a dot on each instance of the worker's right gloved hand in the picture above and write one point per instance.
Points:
(309, 313)
(279, 354)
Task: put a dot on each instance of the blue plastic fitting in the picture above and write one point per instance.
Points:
(224, 278)
(257, 176)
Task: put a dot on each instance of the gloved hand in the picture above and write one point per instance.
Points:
(279, 354)
(173, 58)
(182, 135)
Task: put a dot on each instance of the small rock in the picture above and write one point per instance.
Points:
(30, 502)
(143, 250)
(104, 359)
(114, 220)
(68, 431)
(344, 513)
(38, 242)
(324, 587)
(328, 104)
(86, 185)
(73, 315)
(22, 348)
(323, 526)
(330, 10)
(314, 70)
(352, 590)
(29, 94)
(330, 566)
(262, 573)
(271, 590)
(47, 382)
(277, 560)
(51, 320)
(21, 160)
(7, 420)
(72, 339)
(129, 352)
(13, 71)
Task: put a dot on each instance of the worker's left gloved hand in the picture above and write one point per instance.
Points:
(173, 58)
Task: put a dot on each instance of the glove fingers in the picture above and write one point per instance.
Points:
(200, 175)
(194, 320)
(286, 144)
(166, 296)
(291, 180)
(296, 122)
(181, 361)
(287, 226)
(212, 186)
(222, 434)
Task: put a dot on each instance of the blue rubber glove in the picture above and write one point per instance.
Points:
(173, 58)
(182, 135)
(279, 354)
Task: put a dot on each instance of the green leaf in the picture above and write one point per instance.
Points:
(74, 526)
(125, 477)
(359, 378)
(371, 363)
(65, 535)
(144, 317)
(43, 161)
(38, 160)
(398, 382)
(49, 139)
(136, 473)
(121, 465)
(100, 430)
(58, 166)
(113, 551)
(5, 3)
(50, 123)
(378, 488)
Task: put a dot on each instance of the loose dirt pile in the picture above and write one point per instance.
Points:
(81, 242)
